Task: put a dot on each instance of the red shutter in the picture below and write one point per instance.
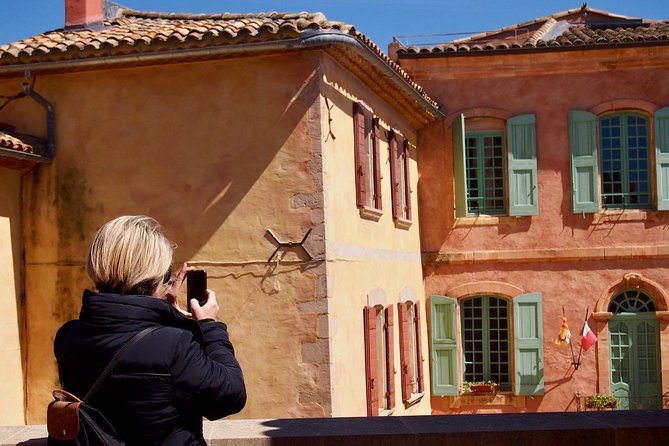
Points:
(407, 186)
(360, 154)
(377, 164)
(419, 349)
(402, 314)
(369, 314)
(394, 177)
(390, 357)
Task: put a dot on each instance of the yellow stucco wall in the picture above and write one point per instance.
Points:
(218, 152)
(11, 320)
(363, 255)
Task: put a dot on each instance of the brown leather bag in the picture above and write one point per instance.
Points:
(62, 416)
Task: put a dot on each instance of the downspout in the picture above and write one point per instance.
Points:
(50, 118)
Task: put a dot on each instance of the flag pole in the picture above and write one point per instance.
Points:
(574, 362)
(580, 350)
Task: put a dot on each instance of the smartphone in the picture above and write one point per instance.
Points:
(196, 286)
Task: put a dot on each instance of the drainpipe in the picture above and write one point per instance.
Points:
(50, 129)
(50, 118)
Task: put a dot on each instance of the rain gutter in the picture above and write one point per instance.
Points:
(308, 40)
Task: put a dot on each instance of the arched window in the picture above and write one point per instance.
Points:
(632, 301)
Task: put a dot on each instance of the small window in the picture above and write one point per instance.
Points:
(379, 369)
(367, 162)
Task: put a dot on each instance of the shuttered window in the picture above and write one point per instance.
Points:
(379, 359)
(528, 345)
(584, 170)
(611, 161)
(494, 178)
(367, 159)
(444, 359)
(662, 157)
(523, 183)
(399, 176)
(411, 358)
(487, 352)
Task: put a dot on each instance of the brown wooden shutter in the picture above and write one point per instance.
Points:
(419, 349)
(369, 317)
(402, 315)
(407, 186)
(394, 177)
(390, 357)
(360, 154)
(377, 164)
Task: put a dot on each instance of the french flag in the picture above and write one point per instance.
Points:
(589, 337)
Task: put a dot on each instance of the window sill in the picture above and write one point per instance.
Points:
(386, 412)
(401, 223)
(500, 399)
(369, 213)
(621, 215)
(413, 399)
(487, 220)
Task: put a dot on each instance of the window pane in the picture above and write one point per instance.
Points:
(485, 173)
(485, 340)
(625, 163)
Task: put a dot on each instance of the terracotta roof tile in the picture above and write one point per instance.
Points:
(573, 28)
(135, 32)
(22, 143)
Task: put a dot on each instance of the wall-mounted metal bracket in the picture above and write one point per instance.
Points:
(281, 244)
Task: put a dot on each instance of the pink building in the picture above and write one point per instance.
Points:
(545, 192)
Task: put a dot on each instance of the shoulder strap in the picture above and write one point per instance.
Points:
(107, 371)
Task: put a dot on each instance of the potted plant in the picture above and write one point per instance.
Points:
(488, 387)
(601, 401)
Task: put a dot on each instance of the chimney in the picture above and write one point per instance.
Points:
(83, 13)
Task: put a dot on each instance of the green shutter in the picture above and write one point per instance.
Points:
(458, 129)
(444, 347)
(522, 165)
(584, 170)
(528, 345)
(662, 157)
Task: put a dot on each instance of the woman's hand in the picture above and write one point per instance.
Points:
(207, 311)
(171, 294)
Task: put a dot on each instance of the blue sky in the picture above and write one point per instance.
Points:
(436, 20)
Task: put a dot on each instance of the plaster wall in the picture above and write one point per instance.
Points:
(548, 84)
(363, 256)
(572, 259)
(219, 152)
(12, 386)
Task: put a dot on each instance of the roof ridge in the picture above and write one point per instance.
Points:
(538, 34)
(133, 13)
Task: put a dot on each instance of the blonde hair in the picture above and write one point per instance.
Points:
(129, 255)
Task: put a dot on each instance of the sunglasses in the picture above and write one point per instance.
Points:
(168, 275)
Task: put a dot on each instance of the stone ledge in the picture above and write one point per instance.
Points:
(611, 428)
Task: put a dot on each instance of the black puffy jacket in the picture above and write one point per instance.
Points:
(163, 385)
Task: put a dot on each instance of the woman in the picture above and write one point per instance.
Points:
(164, 385)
